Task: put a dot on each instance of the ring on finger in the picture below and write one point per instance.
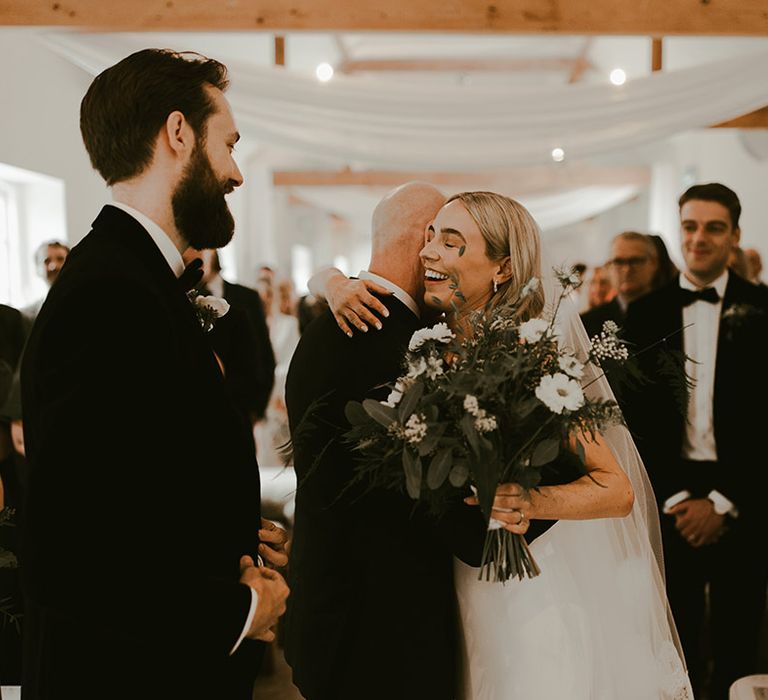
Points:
(522, 517)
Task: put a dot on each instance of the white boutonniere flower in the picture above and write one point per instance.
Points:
(208, 308)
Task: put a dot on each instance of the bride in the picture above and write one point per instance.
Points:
(595, 624)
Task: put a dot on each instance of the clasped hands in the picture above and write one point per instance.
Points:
(697, 522)
(511, 507)
(270, 586)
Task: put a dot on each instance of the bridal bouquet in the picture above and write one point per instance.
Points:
(502, 406)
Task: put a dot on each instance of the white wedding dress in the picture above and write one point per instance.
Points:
(577, 631)
(595, 624)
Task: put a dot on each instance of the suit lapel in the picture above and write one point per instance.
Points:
(130, 234)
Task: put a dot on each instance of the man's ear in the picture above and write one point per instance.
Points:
(736, 235)
(178, 134)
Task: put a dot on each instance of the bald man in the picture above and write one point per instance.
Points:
(371, 613)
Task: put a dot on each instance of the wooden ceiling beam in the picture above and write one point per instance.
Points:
(651, 17)
(459, 65)
(532, 179)
(754, 120)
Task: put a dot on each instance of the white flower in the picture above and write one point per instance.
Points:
(532, 330)
(530, 286)
(485, 423)
(571, 366)
(393, 399)
(417, 367)
(218, 306)
(434, 367)
(558, 392)
(415, 429)
(439, 332)
(470, 404)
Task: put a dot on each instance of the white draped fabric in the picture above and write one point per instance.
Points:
(388, 124)
(551, 210)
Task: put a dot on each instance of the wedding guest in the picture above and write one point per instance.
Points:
(240, 338)
(11, 344)
(738, 262)
(600, 289)
(49, 259)
(309, 308)
(272, 432)
(286, 297)
(633, 265)
(706, 466)
(755, 265)
(666, 270)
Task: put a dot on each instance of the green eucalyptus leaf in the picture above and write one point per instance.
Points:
(410, 401)
(432, 438)
(384, 415)
(545, 452)
(580, 452)
(412, 468)
(439, 468)
(437, 301)
(355, 413)
(459, 474)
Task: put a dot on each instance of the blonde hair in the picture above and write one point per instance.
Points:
(510, 231)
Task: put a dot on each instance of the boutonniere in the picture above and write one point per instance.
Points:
(736, 316)
(207, 308)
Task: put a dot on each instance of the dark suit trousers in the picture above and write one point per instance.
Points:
(736, 571)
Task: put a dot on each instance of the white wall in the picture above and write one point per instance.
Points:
(40, 131)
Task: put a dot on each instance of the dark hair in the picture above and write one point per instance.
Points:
(127, 104)
(715, 192)
(666, 270)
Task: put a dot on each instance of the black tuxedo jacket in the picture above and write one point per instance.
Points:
(261, 379)
(140, 504)
(740, 373)
(594, 319)
(371, 612)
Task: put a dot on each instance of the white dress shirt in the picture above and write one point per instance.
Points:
(397, 292)
(176, 262)
(701, 321)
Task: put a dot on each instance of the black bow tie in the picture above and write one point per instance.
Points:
(192, 274)
(708, 294)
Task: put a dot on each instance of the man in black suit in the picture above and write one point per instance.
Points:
(142, 520)
(371, 613)
(707, 470)
(240, 338)
(632, 267)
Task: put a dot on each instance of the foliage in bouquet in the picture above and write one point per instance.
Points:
(495, 408)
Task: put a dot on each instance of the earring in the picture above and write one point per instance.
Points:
(495, 286)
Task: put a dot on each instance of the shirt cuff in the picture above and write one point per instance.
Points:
(723, 506)
(672, 501)
(248, 620)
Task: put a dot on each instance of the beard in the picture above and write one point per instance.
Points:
(200, 210)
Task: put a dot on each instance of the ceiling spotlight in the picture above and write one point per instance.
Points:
(324, 72)
(558, 155)
(618, 76)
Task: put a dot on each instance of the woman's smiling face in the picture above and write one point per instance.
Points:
(456, 265)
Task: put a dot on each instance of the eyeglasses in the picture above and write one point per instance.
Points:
(628, 262)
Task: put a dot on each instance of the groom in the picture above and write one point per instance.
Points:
(142, 520)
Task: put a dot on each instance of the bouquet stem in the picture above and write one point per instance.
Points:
(506, 555)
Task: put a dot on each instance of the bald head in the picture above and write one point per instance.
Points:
(399, 222)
